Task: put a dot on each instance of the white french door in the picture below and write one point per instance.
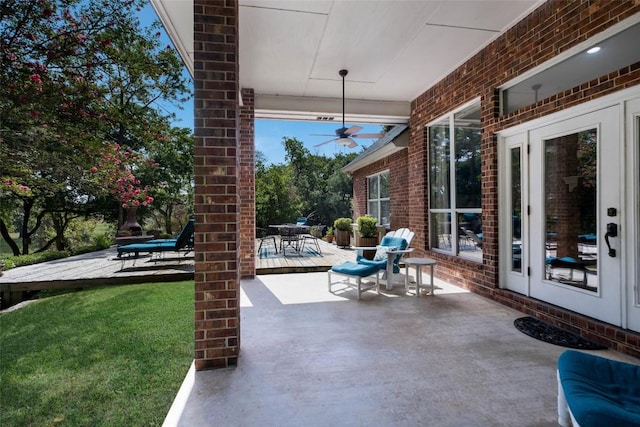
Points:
(562, 223)
(632, 229)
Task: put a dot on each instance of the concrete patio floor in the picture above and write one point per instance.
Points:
(312, 358)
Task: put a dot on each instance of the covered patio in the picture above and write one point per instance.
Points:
(314, 358)
(414, 63)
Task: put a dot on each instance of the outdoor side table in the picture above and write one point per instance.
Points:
(418, 263)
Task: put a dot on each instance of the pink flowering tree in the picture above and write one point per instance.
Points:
(116, 172)
(75, 73)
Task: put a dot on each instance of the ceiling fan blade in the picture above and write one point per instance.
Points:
(368, 135)
(353, 144)
(321, 134)
(326, 142)
(352, 130)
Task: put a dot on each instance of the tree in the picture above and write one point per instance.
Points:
(74, 74)
(173, 177)
(308, 185)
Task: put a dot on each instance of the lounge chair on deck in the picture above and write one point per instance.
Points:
(184, 242)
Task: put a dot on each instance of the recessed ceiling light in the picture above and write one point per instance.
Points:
(593, 50)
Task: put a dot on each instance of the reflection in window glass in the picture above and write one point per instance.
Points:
(467, 159)
(456, 213)
(373, 187)
(379, 203)
(440, 231)
(439, 170)
(571, 209)
(516, 211)
(384, 185)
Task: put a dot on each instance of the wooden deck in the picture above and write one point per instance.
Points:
(307, 260)
(105, 268)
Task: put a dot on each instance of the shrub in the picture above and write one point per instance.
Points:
(367, 226)
(343, 224)
(103, 241)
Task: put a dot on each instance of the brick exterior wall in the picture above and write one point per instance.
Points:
(396, 164)
(551, 29)
(216, 164)
(548, 31)
(247, 190)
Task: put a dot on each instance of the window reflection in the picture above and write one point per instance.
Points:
(516, 211)
(455, 183)
(571, 209)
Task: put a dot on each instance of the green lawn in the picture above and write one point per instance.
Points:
(114, 356)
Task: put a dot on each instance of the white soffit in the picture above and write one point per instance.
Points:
(394, 50)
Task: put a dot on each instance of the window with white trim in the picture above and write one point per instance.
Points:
(378, 201)
(455, 210)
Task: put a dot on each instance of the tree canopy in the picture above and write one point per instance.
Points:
(308, 185)
(75, 77)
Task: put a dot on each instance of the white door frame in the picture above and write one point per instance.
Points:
(628, 243)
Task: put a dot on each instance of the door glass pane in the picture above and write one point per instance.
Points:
(439, 166)
(571, 209)
(516, 211)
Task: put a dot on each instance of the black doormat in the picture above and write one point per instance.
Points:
(553, 335)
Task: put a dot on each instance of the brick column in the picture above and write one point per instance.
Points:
(217, 312)
(247, 188)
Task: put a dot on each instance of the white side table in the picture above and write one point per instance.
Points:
(391, 255)
(418, 263)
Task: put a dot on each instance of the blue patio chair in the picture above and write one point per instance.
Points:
(389, 252)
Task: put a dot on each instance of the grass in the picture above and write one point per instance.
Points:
(113, 356)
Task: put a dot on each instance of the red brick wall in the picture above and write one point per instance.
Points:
(217, 281)
(551, 29)
(397, 166)
(247, 186)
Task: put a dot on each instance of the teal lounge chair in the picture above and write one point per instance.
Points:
(184, 242)
(389, 252)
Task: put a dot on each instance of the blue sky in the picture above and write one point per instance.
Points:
(269, 133)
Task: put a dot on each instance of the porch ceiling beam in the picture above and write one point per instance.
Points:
(330, 109)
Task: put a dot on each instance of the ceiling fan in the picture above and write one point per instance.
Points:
(344, 135)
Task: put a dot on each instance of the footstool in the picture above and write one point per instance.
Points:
(357, 272)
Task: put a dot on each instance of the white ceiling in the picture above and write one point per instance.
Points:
(291, 50)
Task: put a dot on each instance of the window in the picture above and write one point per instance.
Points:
(455, 183)
(596, 58)
(378, 202)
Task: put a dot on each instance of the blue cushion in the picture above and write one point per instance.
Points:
(353, 269)
(397, 242)
(600, 391)
(148, 247)
(380, 264)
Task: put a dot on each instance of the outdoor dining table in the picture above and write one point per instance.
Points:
(290, 235)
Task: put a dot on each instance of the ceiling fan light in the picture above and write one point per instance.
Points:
(345, 141)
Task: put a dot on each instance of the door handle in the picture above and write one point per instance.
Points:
(612, 231)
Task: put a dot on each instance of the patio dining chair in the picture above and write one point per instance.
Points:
(313, 239)
(290, 237)
(266, 239)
